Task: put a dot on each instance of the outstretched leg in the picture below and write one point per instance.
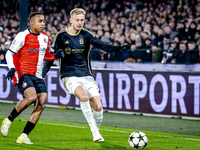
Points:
(87, 111)
(95, 103)
(30, 96)
(33, 118)
(85, 106)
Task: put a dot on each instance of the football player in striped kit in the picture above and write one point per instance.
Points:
(25, 61)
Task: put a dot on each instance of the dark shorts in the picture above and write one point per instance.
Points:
(28, 80)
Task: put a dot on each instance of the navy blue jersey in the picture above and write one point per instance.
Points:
(77, 49)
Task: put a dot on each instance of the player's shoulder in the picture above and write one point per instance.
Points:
(22, 34)
(60, 33)
(44, 33)
(87, 32)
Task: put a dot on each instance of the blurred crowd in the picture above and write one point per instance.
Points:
(164, 31)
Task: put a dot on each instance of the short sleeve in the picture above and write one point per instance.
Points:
(18, 42)
(57, 44)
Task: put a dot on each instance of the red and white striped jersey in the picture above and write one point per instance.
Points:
(30, 50)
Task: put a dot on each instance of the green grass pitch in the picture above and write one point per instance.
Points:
(55, 131)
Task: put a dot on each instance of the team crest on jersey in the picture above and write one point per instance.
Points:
(81, 40)
(68, 50)
(24, 84)
(45, 40)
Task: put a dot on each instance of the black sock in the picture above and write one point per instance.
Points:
(13, 115)
(29, 127)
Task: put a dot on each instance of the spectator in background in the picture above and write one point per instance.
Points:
(181, 31)
(181, 55)
(168, 31)
(3, 50)
(7, 45)
(193, 52)
(165, 44)
(117, 56)
(197, 38)
(132, 37)
(147, 43)
(138, 51)
(144, 36)
(159, 36)
(141, 54)
(167, 54)
(156, 53)
(104, 54)
(192, 30)
(178, 19)
(2, 57)
(130, 55)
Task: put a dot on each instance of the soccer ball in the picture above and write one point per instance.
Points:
(137, 140)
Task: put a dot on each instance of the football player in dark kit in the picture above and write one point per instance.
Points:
(75, 68)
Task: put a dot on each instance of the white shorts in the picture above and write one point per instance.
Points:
(88, 83)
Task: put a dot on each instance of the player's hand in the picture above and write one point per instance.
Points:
(10, 74)
(59, 54)
(124, 47)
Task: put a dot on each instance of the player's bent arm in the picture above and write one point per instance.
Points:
(9, 59)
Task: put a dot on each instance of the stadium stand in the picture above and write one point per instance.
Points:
(153, 28)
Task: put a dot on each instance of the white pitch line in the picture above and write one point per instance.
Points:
(121, 131)
(73, 126)
(179, 138)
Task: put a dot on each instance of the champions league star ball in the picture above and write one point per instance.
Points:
(137, 140)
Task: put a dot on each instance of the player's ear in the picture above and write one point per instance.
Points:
(31, 22)
(70, 19)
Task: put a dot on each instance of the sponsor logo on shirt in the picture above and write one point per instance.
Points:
(68, 50)
(36, 49)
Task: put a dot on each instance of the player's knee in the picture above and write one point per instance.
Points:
(84, 98)
(42, 106)
(98, 108)
(31, 99)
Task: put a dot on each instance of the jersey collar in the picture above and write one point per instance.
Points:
(66, 29)
(31, 32)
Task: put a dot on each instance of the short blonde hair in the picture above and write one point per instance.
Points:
(77, 11)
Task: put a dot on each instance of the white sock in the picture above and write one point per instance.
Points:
(86, 109)
(8, 120)
(98, 117)
(23, 134)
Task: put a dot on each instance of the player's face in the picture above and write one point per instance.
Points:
(77, 21)
(37, 24)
